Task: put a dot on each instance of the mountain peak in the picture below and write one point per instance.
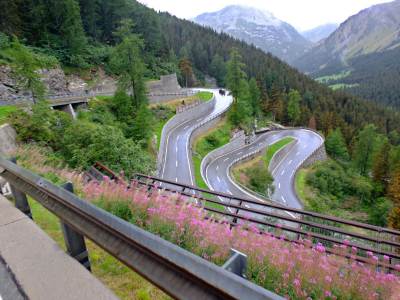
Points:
(258, 27)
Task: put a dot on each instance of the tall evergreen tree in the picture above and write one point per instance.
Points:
(186, 70)
(72, 32)
(25, 66)
(394, 194)
(10, 21)
(126, 61)
(293, 108)
(364, 149)
(381, 168)
(218, 69)
(255, 97)
(235, 74)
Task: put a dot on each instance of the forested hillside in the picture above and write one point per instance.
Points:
(80, 34)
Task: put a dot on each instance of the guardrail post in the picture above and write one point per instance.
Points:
(237, 263)
(21, 202)
(75, 242)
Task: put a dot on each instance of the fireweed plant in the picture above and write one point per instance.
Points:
(295, 271)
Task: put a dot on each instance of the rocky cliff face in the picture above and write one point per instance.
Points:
(258, 27)
(55, 81)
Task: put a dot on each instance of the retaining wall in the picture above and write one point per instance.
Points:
(279, 155)
(8, 137)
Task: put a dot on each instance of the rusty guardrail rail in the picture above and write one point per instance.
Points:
(328, 230)
(179, 273)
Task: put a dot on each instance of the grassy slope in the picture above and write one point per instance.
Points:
(241, 172)
(5, 111)
(204, 144)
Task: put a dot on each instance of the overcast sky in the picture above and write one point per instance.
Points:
(303, 14)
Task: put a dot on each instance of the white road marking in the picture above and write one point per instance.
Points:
(186, 127)
(240, 153)
(176, 179)
(229, 192)
(293, 173)
(290, 162)
(247, 206)
(279, 185)
(176, 148)
(219, 180)
(226, 159)
(251, 148)
(176, 163)
(283, 199)
(217, 168)
(283, 172)
(198, 120)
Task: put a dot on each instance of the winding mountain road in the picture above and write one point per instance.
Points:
(306, 142)
(177, 162)
(177, 165)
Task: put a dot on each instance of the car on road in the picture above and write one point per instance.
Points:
(222, 92)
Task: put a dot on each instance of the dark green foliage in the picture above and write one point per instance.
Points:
(126, 61)
(364, 149)
(260, 180)
(293, 108)
(339, 190)
(379, 212)
(218, 69)
(54, 27)
(336, 145)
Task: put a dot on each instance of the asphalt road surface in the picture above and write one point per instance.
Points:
(217, 172)
(177, 165)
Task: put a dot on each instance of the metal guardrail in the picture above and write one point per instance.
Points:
(328, 230)
(179, 273)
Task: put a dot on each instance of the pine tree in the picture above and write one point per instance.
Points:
(25, 65)
(218, 69)
(10, 22)
(365, 148)
(72, 32)
(394, 194)
(394, 187)
(276, 104)
(235, 74)
(381, 168)
(255, 96)
(126, 60)
(293, 108)
(312, 123)
(186, 69)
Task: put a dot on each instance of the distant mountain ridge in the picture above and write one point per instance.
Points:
(375, 29)
(319, 33)
(259, 28)
(361, 56)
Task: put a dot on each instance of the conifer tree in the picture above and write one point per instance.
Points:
(126, 60)
(293, 108)
(235, 74)
(394, 194)
(381, 168)
(186, 69)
